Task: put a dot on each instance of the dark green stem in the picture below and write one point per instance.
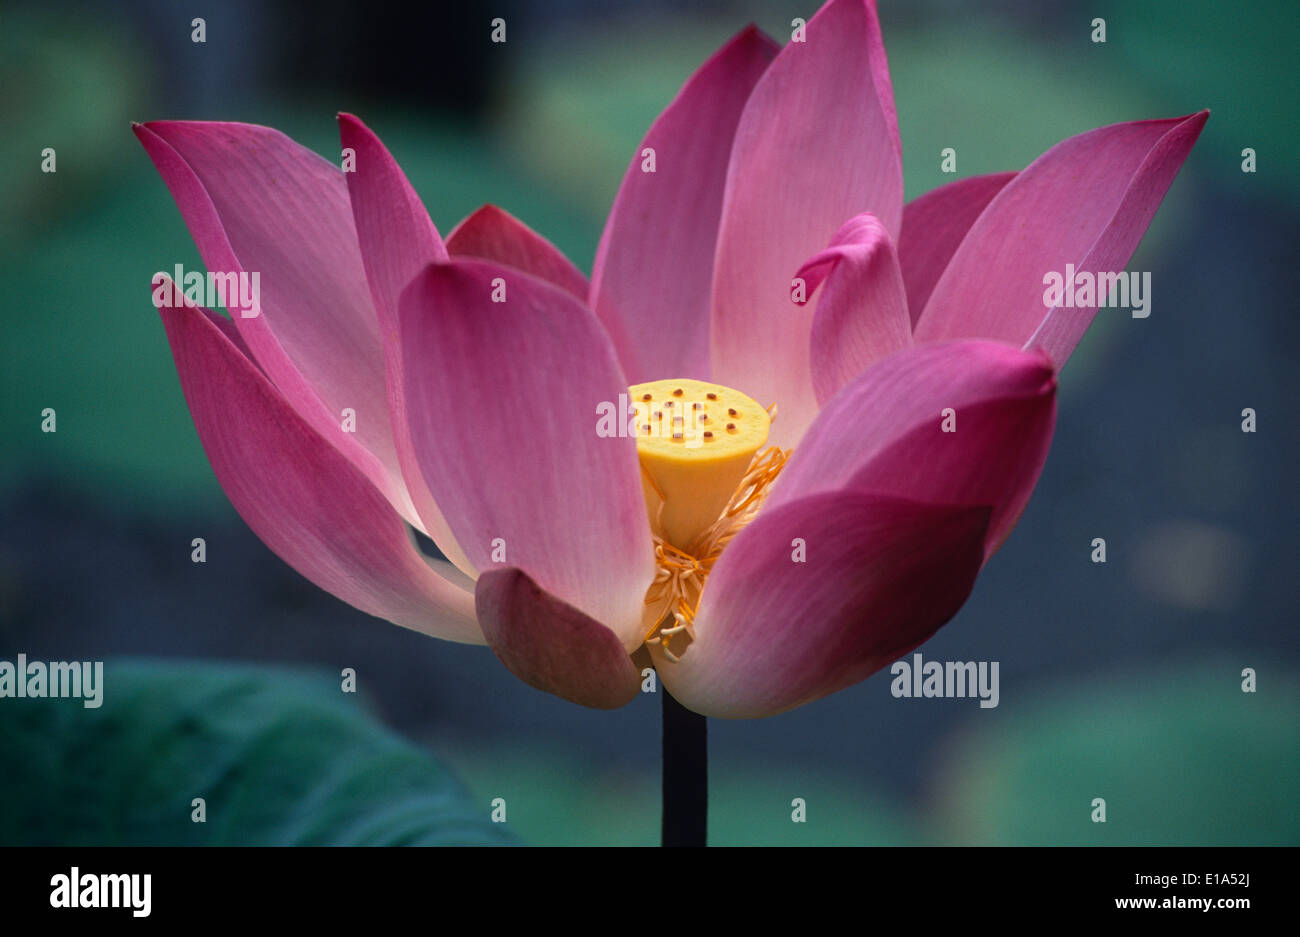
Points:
(686, 775)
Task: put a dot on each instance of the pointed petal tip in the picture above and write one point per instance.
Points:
(486, 210)
(1197, 120)
(1087, 201)
(492, 233)
(351, 126)
(752, 34)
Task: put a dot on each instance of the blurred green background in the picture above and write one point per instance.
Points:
(1120, 681)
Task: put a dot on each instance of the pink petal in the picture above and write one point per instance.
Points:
(878, 577)
(493, 234)
(817, 143)
(551, 645)
(933, 227)
(654, 266)
(1087, 201)
(862, 313)
(256, 201)
(503, 400)
(397, 240)
(885, 432)
(300, 495)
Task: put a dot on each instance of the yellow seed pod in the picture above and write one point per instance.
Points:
(695, 441)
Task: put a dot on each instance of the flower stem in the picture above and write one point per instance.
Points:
(686, 775)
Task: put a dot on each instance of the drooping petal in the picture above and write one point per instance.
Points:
(817, 143)
(493, 234)
(965, 423)
(300, 495)
(777, 628)
(654, 267)
(933, 227)
(258, 203)
(862, 312)
(505, 407)
(397, 240)
(551, 645)
(1087, 202)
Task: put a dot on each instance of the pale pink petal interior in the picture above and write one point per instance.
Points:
(817, 143)
(654, 268)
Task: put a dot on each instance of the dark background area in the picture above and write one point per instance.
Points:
(1119, 680)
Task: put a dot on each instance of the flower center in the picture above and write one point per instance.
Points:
(704, 479)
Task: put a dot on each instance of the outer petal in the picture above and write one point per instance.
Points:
(862, 313)
(397, 240)
(255, 201)
(933, 227)
(504, 414)
(551, 645)
(1087, 201)
(818, 142)
(886, 432)
(880, 576)
(303, 498)
(493, 234)
(654, 267)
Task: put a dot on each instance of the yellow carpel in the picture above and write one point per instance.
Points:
(696, 441)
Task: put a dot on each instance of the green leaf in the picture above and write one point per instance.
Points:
(279, 757)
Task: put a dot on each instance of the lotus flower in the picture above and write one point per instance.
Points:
(766, 266)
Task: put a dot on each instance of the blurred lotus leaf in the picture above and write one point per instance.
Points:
(278, 757)
(1181, 756)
